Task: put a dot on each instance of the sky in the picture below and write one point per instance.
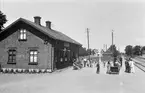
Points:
(73, 17)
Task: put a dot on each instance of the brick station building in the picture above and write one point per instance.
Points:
(29, 45)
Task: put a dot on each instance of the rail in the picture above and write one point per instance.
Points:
(139, 65)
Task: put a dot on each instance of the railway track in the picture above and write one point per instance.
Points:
(139, 65)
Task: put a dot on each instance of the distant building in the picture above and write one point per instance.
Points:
(107, 55)
(29, 45)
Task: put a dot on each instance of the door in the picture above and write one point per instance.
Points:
(52, 58)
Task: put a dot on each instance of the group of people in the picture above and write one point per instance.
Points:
(94, 63)
(129, 66)
(88, 63)
(91, 63)
(116, 62)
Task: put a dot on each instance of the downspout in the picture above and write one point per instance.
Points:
(47, 46)
(51, 59)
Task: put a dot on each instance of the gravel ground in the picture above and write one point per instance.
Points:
(74, 81)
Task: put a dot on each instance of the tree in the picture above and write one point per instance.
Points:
(85, 52)
(114, 51)
(89, 51)
(93, 52)
(137, 50)
(142, 50)
(3, 20)
(82, 51)
(128, 50)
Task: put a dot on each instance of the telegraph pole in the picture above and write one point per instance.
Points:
(88, 41)
(112, 44)
(112, 37)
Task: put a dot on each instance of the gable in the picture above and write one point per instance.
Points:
(56, 35)
(13, 41)
(22, 25)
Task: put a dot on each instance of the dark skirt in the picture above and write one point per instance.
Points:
(98, 69)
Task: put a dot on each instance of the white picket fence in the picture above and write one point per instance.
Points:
(19, 70)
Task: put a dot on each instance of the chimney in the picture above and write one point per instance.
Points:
(37, 20)
(48, 24)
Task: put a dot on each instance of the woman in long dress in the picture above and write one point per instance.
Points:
(132, 66)
(98, 68)
(127, 66)
(108, 66)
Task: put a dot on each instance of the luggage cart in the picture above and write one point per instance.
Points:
(114, 70)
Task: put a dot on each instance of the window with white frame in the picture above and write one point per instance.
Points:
(12, 56)
(33, 58)
(23, 34)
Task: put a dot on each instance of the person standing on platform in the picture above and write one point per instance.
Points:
(120, 61)
(131, 66)
(85, 62)
(91, 63)
(88, 63)
(98, 68)
(108, 66)
(82, 62)
(127, 65)
(126, 68)
(104, 62)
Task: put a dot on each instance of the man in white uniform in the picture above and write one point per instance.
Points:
(85, 62)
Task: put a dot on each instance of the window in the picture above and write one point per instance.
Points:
(33, 57)
(12, 56)
(66, 44)
(22, 35)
